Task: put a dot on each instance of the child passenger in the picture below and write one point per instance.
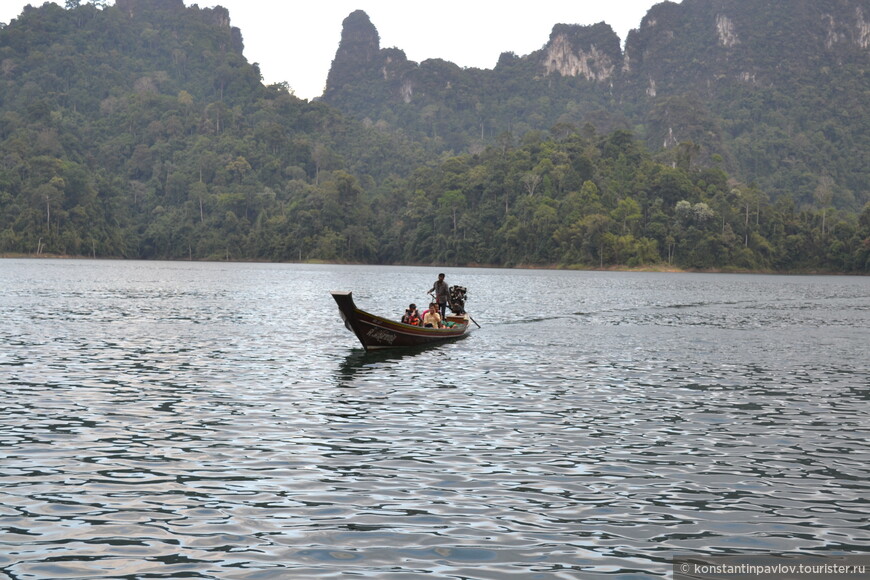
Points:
(411, 316)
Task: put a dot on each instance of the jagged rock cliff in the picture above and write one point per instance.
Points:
(591, 52)
(698, 40)
(776, 41)
(738, 80)
(358, 56)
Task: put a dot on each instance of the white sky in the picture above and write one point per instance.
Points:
(295, 42)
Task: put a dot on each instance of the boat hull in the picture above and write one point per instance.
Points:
(375, 332)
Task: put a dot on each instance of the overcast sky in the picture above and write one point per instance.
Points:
(295, 42)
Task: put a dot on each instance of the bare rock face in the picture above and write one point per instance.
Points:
(725, 30)
(592, 52)
(564, 59)
(862, 29)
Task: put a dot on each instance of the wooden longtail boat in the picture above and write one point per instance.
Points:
(375, 332)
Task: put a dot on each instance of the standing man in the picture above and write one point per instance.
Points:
(440, 291)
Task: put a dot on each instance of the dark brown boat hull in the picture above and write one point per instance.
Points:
(375, 332)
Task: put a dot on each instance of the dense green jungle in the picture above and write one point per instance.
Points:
(139, 130)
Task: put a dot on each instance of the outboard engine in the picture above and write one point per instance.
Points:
(457, 295)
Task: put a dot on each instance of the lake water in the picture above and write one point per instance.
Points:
(211, 420)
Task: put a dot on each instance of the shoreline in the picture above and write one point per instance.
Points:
(650, 268)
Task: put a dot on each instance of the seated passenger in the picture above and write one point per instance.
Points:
(432, 318)
(411, 316)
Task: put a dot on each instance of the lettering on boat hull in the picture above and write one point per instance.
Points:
(382, 335)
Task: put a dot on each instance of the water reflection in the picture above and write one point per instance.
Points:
(360, 362)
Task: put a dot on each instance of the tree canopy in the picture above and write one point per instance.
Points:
(139, 130)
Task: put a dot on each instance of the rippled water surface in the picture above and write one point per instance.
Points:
(217, 421)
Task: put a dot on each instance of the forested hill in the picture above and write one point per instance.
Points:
(776, 89)
(140, 130)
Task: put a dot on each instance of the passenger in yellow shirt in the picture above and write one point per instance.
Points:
(432, 319)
